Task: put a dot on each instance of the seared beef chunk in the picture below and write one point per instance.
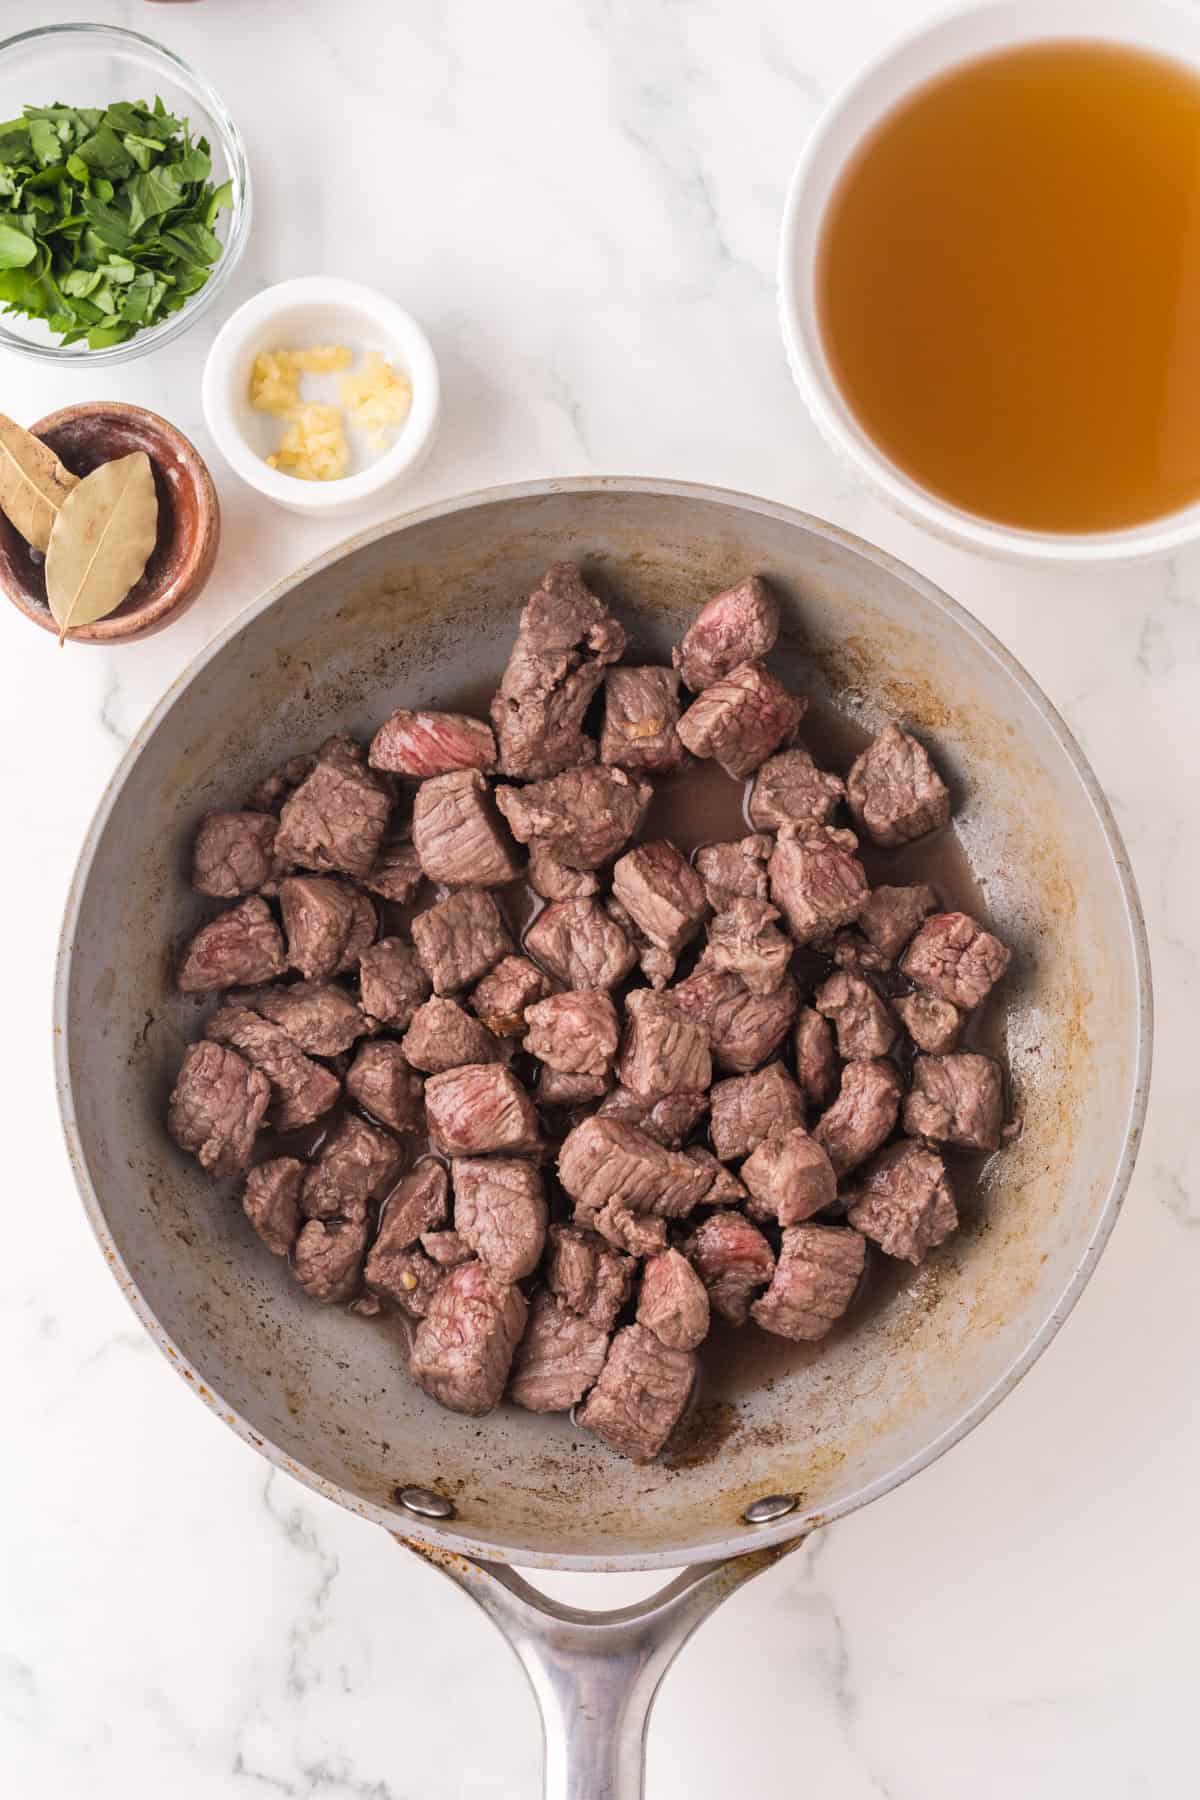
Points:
(271, 1202)
(444, 1036)
(432, 743)
(576, 1033)
(638, 1234)
(725, 1189)
(328, 1258)
(592, 1279)
(336, 817)
(502, 998)
(382, 1082)
(816, 1063)
(956, 959)
(269, 794)
(816, 880)
(956, 1100)
(392, 983)
(301, 1090)
(849, 949)
(318, 1016)
(457, 835)
(904, 1203)
(641, 711)
(932, 1024)
(477, 1109)
(668, 1121)
(558, 1359)
(461, 939)
(741, 719)
(865, 1024)
(565, 640)
(580, 945)
(790, 789)
(558, 1088)
(328, 923)
(891, 915)
(464, 1345)
(217, 1106)
(895, 792)
(662, 894)
(396, 874)
(863, 1114)
(237, 949)
(582, 817)
(748, 1108)
(734, 627)
(663, 1051)
(407, 1279)
(553, 880)
(732, 1258)
(815, 1279)
(234, 853)
(673, 1302)
(415, 1207)
(746, 939)
(789, 1177)
(500, 1210)
(606, 1165)
(446, 1248)
(356, 1165)
(744, 1028)
(641, 1394)
(656, 964)
(735, 871)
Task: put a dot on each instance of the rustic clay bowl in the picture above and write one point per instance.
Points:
(189, 519)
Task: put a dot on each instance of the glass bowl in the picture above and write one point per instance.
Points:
(95, 65)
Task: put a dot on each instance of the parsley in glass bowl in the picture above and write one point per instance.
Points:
(123, 170)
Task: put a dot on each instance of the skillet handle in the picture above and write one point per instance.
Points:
(595, 1674)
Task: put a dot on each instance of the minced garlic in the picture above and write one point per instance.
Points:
(313, 446)
(376, 397)
(275, 377)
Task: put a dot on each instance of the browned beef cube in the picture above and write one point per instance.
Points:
(269, 794)
(393, 983)
(849, 949)
(217, 1106)
(816, 1061)
(641, 711)
(271, 1202)
(641, 1394)
(446, 1248)
(443, 1036)
(603, 1163)
(741, 719)
(407, 1279)
(663, 1051)
(735, 626)
(904, 1202)
(956, 1099)
(576, 1033)
(725, 1189)
(637, 1234)
(673, 1302)
(335, 819)
(356, 1165)
(557, 1088)
(237, 949)
(503, 998)
(580, 945)
(662, 894)
(301, 1090)
(865, 1023)
(477, 1109)
(956, 959)
(328, 923)
(382, 1082)
(733, 1259)
(415, 1207)
(558, 1359)
(815, 1279)
(234, 853)
(424, 744)
(734, 871)
(932, 1024)
(565, 641)
(553, 880)
(457, 835)
(593, 1280)
(668, 1121)
(656, 964)
(328, 1258)
(895, 792)
(396, 874)
(816, 880)
(789, 1177)
(744, 1028)
(892, 914)
(464, 1346)
(460, 939)
(790, 789)
(582, 817)
(863, 1114)
(318, 1016)
(500, 1210)
(748, 1108)
(746, 939)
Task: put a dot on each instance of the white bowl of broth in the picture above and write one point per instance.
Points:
(989, 278)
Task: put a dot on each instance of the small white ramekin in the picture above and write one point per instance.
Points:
(846, 121)
(317, 309)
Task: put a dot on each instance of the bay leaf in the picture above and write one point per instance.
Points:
(33, 483)
(101, 541)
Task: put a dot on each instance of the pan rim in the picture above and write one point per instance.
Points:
(804, 1520)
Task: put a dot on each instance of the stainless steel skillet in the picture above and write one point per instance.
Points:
(424, 609)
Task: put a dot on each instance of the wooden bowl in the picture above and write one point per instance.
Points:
(189, 519)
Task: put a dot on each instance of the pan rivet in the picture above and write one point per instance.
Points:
(769, 1508)
(425, 1503)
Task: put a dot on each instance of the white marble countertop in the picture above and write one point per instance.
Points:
(580, 200)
